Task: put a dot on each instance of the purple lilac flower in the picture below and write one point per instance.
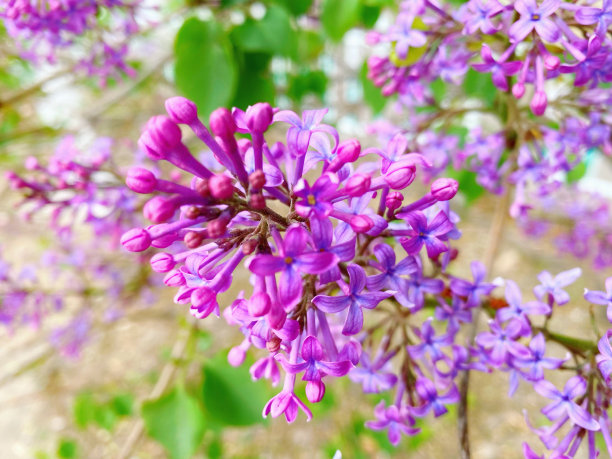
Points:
(391, 273)
(432, 400)
(472, 291)
(537, 362)
(602, 298)
(395, 419)
(500, 70)
(552, 287)
(604, 359)
(431, 234)
(535, 17)
(516, 309)
(501, 343)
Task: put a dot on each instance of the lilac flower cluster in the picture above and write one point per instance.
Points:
(311, 219)
(522, 43)
(78, 186)
(42, 28)
(578, 222)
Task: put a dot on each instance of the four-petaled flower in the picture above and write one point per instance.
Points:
(499, 70)
(314, 201)
(391, 272)
(552, 287)
(354, 300)
(603, 298)
(535, 17)
(431, 234)
(301, 130)
(394, 418)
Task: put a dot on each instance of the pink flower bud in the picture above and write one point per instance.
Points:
(444, 189)
(358, 185)
(259, 117)
(236, 356)
(161, 136)
(274, 344)
(158, 209)
(259, 304)
(222, 123)
(400, 175)
(361, 223)
(166, 240)
(257, 201)
(393, 201)
(315, 390)
(193, 239)
(257, 179)
(181, 110)
(552, 62)
(202, 187)
(136, 240)
(518, 90)
(248, 247)
(141, 180)
(174, 278)
(162, 262)
(538, 103)
(216, 227)
(349, 151)
(221, 186)
(203, 302)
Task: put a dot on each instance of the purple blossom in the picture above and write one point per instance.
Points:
(600, 16)
(430, 343)
(563, 402)
(374, 376)
(602, 298)
(301, 130)
(472, 291)
(552, 287)
(604, 359)
(518, 310)
(432, 400)
(354, 300)
(432, 234)
(395, 419)
(537, 362)
(315, 200)
(500, 71)
(390, 276)
(501, 343)
(535, 17)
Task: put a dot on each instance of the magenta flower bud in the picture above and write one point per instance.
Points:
(193, 239)
(158, 209)
(518, 90)
(552, 62)
(192, 212)
(204, 302)
(236, 356)
(444, 189)
(216, 227)
(248, 247)
(161, 136)
(259, 304)
(361, 223)
(141, 180)
(400, 175)
(257, 179)
(259, 117)
(162, 262)
(315, 390)
(181, 110)
(538, 103)
(273, 345)
(257, 201)
(358, 185)
(348, 151)
(393, 201)
(222, 123)
(243, 145)
(166, 240)
(136, 240)
(221, 186)
(202, 187)
(174, 278)
(277, 317)
(31, 163)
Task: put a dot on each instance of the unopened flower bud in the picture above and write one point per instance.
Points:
(141, 180)
(166, 240)
(400, 175)
(538, 103)
(222, 123)
(158, 209)
(444, 189)
(221, 186)
(160, 137)
(518, 90)
(274, 344)
(236, 356)
(162, 262)
(202, 187)
(259, 304)
(358, 185)
(552, 62)
(192, 212)
(136, 240)
(348, 151)
(257, 179)
(181, 110)
(193, 239)
(393, 201)
(257, 201)
(216, 228)
(361, 223)
(259, 117)
(315, 390)
(174, 278)
(248, 247)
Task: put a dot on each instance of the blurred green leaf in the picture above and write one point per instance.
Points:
(468, 186)
(307, 82)
(122, 404)
(67, 448)
(338, 16)
(480, 86)
(296, 7)
(205, 70)
(105, 417)
(83, 409)
(230, 397)
(272, 34)
(372, 95)
(369, 15)
(176, 421)
(438, 88)
(253, 88)
(310, 45)
(577, 173)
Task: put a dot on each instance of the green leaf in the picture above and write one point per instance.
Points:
(577, 173)
(252, 89)
(480, 86)
(307, 82)
(205, 70)
(372, 95)
(273, 34)
(176, 421)
(310, 45)
(84, 409)
(438, 88)
(230, 397)
(67, 448)
(122, 404)
(468, 186)
(105, 417)
(369, 15)
(296, 7)
(338, 16)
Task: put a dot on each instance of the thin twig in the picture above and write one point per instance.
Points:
(165, 378)
(495, 237)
